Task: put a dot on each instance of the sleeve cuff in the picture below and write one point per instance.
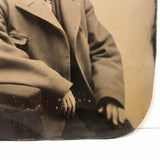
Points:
(104, 101)
(63, 86)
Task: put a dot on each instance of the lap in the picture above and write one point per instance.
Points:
(87, 123)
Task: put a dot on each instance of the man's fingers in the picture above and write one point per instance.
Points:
(114, 115)
(73, 108)
(122, 116)
(73, 103)
(100, 110)
(109, 111)
(65, 105)
(69, 106)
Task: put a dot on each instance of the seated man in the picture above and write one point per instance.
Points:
(60, 47)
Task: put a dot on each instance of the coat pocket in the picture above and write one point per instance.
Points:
(20, 40)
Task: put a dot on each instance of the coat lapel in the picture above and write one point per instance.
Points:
(39, 9)
(71, 13)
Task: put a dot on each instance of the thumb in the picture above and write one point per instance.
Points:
(100, 110)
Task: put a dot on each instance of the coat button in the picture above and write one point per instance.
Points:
(81, 30)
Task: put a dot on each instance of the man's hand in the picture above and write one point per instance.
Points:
(68, 105)
(113, 112)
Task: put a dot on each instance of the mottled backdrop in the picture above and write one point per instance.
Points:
(131, 22)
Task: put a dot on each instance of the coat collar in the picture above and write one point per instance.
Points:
(70, 13)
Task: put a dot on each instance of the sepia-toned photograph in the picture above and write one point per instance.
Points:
(75, 69)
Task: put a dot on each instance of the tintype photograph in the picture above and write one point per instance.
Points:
(75, 69)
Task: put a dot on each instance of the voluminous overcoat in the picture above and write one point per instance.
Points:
(35, 48)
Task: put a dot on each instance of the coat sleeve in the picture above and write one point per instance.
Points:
(17, 68)
(106, 62)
